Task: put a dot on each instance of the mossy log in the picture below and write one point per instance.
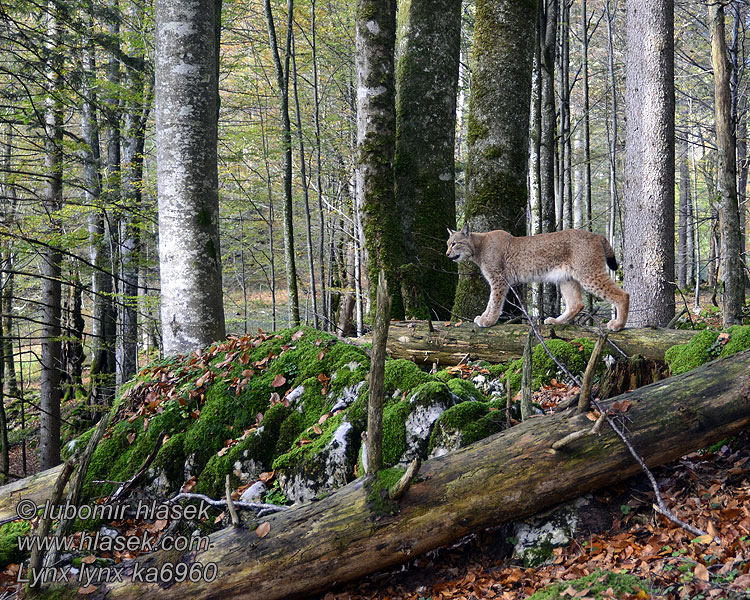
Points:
(36, 488)
(504, 477)
(453, 344)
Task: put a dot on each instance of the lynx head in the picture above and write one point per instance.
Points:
(459, 243)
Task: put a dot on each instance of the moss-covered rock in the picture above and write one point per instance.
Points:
(707, 345)
(464, 424)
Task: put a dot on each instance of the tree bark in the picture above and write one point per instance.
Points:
(51, 267)
(376, 134)
(504, 477)
(729, 223)
(454, 344)
(683, 227)
(498, 146)
(429, 37)
(186, 137)
(648, 236)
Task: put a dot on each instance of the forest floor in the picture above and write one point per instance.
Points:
(709, 490)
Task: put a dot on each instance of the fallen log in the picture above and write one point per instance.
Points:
(36, 488)
(453, 343)
(504, 477)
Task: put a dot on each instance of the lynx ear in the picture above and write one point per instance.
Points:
(450, 231)
(465, 230)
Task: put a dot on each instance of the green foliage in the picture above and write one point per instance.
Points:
(378, 487)
(597, 583)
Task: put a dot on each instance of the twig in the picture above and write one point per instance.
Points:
(400, 487)
(676, 318)
(125, 489)
(237, 503)
(230, 503)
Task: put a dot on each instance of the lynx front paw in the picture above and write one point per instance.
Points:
(550, 321)
(613, 325)
(482, 321)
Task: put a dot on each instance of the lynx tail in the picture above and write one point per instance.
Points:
(609, 254)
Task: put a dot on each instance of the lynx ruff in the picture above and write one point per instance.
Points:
(572, 258)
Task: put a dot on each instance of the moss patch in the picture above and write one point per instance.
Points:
(597, 583)
(9, 534)
(706, 346)
(377, 491)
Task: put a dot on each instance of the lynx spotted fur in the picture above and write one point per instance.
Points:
(572, 258)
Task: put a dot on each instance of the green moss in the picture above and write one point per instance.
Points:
(287, 461)
(394, 431)
(171, 457)
(574, 355)
(378, 487)
(464, 389)
(473, 419)
(597, 583)
(403, 375)
(9, 534)
(739, 340)
(684, 357)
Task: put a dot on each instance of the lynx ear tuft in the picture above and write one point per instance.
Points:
(465, 229)
(450, 231)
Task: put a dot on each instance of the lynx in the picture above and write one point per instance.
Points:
(572, 258)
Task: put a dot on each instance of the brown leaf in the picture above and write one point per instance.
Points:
(89, 589)
(131, 437)
(259, 418)
(278, 381)
(267, 476)
(159, 525)
(263, 529)
(297, 335)
(248, 373)
(317, 429)
(189, 485)
(701, 572)
(90, 559)
(324, 418)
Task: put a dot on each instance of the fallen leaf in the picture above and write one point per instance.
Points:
(267, 476)
(278, 381)
(89, 589)
(87, 560)
(263, 529)
(317, 429)
(701, 572)
(297, 335)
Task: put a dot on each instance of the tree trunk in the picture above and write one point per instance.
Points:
(513, 474)
(648, 261)
(282, 80)
(498, 146)
(454, 344)
(376, 134)
(586, 119)
(102, 310)
(51, 263)
(429, 39)
(305, 190)
(683, 229)
(136, 116)
(729, 224)
(547, 35)
(612, 134)
(186, 136)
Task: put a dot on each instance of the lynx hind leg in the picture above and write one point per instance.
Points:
(494, 306)
(571, 292)
(605, 288)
